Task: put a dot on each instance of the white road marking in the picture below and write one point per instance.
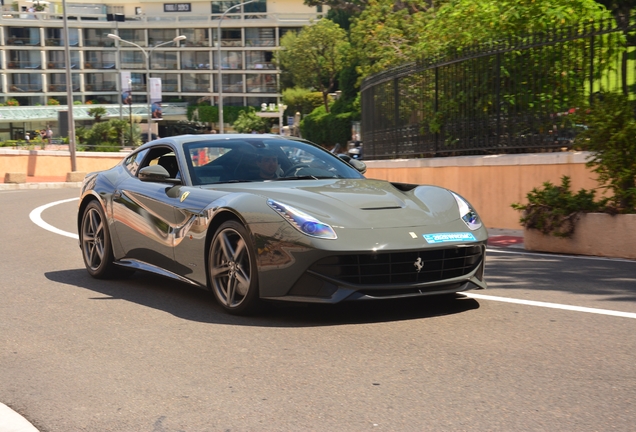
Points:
(545, 255)
(36, 217)
(552, 305)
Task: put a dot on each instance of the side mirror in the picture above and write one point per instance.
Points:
(156, 173)
(356, 163)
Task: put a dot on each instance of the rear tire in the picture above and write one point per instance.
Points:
(95, 242)
(232, 269)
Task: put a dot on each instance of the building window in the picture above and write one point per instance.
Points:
(57, 82)
(57, 60)
(24, 36)
(55, 37)
(99, 60)
(231, 37)
(98, 37)
(260, 37)
(259, 60)
(159, 36)
(191, 82)
(136, 36)
(233, 83)
(133, 60)
(230, 60)
(261, 83)
(164, 60)
(195, 60)
(24, 82)
(24, 60)
(196, 37)
(99, 82)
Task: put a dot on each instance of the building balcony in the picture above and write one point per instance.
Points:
(24, 65)
(99, 65)
(25, 88)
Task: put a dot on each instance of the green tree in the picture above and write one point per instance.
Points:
(461, 23)
(97, 112)
(386, 33)
(248, 121)
(301, 100)
(315, 56)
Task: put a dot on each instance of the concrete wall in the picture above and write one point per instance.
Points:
(54, 163)
(490, 183)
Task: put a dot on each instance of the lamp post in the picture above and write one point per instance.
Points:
(69, 91)
(220, 80)
(147, 54)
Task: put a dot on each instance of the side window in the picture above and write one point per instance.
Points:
(165, 157)
(133, 162)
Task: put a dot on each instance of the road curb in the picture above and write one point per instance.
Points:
(43, 185)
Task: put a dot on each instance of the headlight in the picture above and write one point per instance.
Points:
(466, 212)
(302, 221)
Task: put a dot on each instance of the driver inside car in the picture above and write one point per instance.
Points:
(268, 167)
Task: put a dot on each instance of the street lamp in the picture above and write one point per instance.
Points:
(148, 54)
(220, 80)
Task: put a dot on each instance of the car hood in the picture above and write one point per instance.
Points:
(359, 203)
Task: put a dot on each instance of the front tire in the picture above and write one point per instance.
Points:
(232, 269)
(95, 242)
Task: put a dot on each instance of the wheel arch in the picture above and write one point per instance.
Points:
(84, 201)
(221, 217)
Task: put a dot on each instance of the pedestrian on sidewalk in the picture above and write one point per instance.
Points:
(27, 138)
(49, 135)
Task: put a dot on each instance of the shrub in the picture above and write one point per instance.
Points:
(13, 102)
(555, 209)
(328, 128)
(52, 101)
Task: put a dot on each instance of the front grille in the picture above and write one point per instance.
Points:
(394, 268)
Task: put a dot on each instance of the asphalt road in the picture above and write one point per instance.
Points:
(147, 354)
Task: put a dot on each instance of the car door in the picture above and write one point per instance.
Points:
(144, 215)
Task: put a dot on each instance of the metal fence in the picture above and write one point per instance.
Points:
(509, 96)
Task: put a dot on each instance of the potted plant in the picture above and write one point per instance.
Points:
(13, 102)
(557, 220)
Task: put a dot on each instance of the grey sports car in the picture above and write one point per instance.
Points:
(262, 217)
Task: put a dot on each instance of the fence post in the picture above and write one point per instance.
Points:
(497, 96)
(396, 112)
(436, 109)
(591, 69)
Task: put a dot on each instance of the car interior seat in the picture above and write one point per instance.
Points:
(169, 162)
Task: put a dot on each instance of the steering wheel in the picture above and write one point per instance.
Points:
(294, 168)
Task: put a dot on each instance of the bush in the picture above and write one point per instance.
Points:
(328, 129)
(555, 209)
(249, 121)
(52, 101)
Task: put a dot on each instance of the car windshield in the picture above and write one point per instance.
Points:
(261, 159)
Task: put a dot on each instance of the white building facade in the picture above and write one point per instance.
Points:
(33, 58)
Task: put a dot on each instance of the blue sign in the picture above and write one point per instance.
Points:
(449, 237)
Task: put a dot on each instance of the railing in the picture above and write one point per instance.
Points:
(27, 64)
(499, 97)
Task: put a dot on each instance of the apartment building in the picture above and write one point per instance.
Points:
(33, 57)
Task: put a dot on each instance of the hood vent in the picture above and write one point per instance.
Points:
(381, 208)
